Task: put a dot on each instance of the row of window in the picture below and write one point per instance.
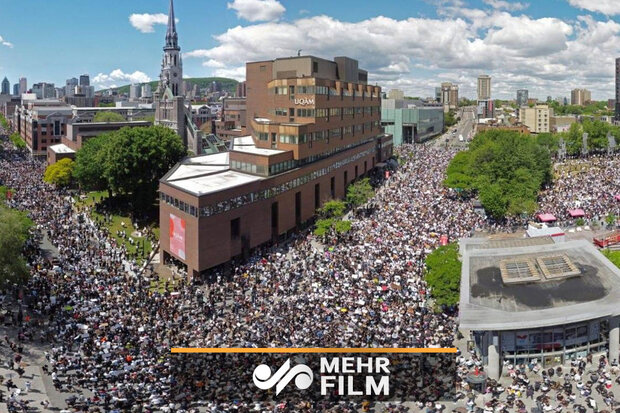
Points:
(318, 90)
(252, 197)
(321, 135)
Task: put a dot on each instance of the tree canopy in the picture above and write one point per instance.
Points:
(108, 117)
(443, 274)
(14, 228)
(506, 169)
(129, 161)
(359, 193)
(60, 173)
(330, 217)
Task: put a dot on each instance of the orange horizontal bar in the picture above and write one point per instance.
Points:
(309, 350)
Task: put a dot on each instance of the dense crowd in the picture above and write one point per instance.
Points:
(111, 331)
(590, 184)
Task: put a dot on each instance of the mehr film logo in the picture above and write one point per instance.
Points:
(337, 373)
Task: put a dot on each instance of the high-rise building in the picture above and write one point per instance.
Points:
(44, 90)
(70, 86)
(84, 80)
(147, 91)
(580, 97)
(484, 87)
(522, 97)
(171, 75)
(537, 119)
(16, 89)
(449, 95)
(23, 85)
(6, 87)
(617, 104)
(135, 92)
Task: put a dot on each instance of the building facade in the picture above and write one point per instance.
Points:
(42, 123)
(232, 121)
(522, 97)
(449, 96)
(580, 97)
(410, 123)
(6, 87)
(396, 94)
(537, 118)
(23, 85)
(313, 128)
(484, 87)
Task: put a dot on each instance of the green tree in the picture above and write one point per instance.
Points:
(506, 169)
(17, 140)
(359, 193)
(89, 163)
(136, 158)
(449, 119)
(334, 208)
(443, 274)
(60, 173)
(14, 229)
(610, 219)
(108, 117)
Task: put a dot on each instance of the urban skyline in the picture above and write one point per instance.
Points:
(565, 46)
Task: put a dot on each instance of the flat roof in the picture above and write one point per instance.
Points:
(215, 182)
(487, 303)
(246, 144)
(61, 148)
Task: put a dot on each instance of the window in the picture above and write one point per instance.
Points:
(334, 112)
(262, 68)
(322, 113)
(322, 90)
(280, 111)
(292, 139)
(281, 90)
(335, 133)
(307, 90)
(315, 67)
(262, 136)
(235, 228)
(305, 113)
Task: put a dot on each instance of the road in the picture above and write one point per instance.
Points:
(465, 127)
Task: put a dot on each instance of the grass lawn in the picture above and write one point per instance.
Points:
(116, 224)
(613, 256)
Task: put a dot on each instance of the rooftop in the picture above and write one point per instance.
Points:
(61, 148)
(246, 144)
(548, 283)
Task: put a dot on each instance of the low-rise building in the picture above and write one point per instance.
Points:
(562, 123)
(409, 123)
(41, 123)
(537, 118)
(232, 121)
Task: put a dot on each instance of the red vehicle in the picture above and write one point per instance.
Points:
(608, 238)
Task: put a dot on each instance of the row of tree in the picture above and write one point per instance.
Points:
(597, 136)
(505, 169)
(331, 213)
(128, 162)
(14, 231)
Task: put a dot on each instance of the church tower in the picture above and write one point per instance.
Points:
(171, 66)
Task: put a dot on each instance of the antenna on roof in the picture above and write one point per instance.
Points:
(299, 52)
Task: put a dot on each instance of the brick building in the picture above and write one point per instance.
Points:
(313, 128)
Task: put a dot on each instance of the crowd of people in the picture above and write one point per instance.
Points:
(590, 184)
(110, 332)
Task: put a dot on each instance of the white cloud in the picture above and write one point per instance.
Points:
(5, 43)
(506, 5)
(104, 81)
(608, 7)
(547, 55)
(145, 22)
(257, 10)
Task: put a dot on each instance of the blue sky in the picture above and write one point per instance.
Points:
(546, 46)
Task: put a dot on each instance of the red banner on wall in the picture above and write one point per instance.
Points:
(177, 236)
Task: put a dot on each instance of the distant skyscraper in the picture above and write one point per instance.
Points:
(580, 97)
(522, 97)
(70, 86)
(23, 85)
(172, 65)
(147, 91)
(484, 87)
(241, 89)
(617, 112)
(6, 87)
(16, 89)
(449, 95)
(84, 80)
(135, 91)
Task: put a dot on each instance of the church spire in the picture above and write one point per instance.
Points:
(171, 33)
